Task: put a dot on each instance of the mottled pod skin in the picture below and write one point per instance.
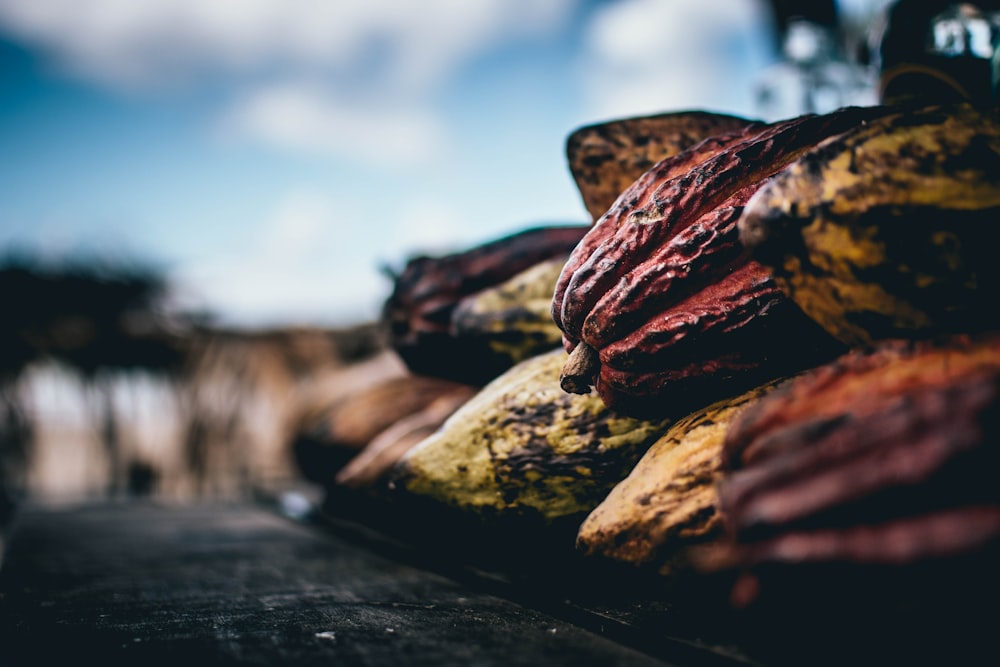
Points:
(889, 230)
(418, 314)
(606, 158)
(330, 436)
(522, 447)
(669, 502)
(514, 318)
(884, 457)
(661, 304)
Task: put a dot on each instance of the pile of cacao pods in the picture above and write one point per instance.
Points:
(772, 360)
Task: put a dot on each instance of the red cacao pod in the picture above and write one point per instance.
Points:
(660, 302)
(876, 462)
(418, 314)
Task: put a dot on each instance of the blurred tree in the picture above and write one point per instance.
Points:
(91, 316)
(97, 319)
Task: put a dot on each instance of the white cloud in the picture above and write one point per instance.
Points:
(147, 43)
(429, 226)
(317, 258)
(649, 56)
(296, 226)
(343, 79)
(307, 259)
(308, 118)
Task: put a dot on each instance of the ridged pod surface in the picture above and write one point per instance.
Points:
(352, 421)
(524, 447)
(417, 315)
(669, 501)
(329, 437)
(660, 302)
(513, 319)
(368, 469)
(885, 457)
(606, 158)
(889, 230)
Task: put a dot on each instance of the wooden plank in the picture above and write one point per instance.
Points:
(238, 584)
(928, 613)
(141, 583)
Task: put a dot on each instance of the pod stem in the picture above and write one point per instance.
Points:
(580, 370)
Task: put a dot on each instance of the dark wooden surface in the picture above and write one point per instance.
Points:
(141, 583)
(144, 584)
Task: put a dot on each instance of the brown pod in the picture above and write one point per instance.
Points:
(669, 501)
(329, 437)
(418, 312)
(373, 463)
(883, 457)
(888, 231)
(664, 294)
(606, 158)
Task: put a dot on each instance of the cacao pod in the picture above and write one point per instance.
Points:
(887, 230)
(514, 318)
(660, 302)
(329, 437)
(373, 463)
(669, 501)
(605, 158)
(881, 459)
(522, 447)
(418, 314)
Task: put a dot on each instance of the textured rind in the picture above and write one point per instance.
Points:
(329, 436)
(882, 457)
(669, 501)
(417, 315)
(665, 267)
(523, 447)
(513, 318)
(888, 230)
(354, 420)
(652, 212)
(371, 466)
(664, 171)
(605, 158)
(712, 347)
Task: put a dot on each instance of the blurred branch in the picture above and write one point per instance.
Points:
(92, 316)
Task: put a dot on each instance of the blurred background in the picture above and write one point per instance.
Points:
(217, 186)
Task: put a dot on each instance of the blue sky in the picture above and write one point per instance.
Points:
(271, 155)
